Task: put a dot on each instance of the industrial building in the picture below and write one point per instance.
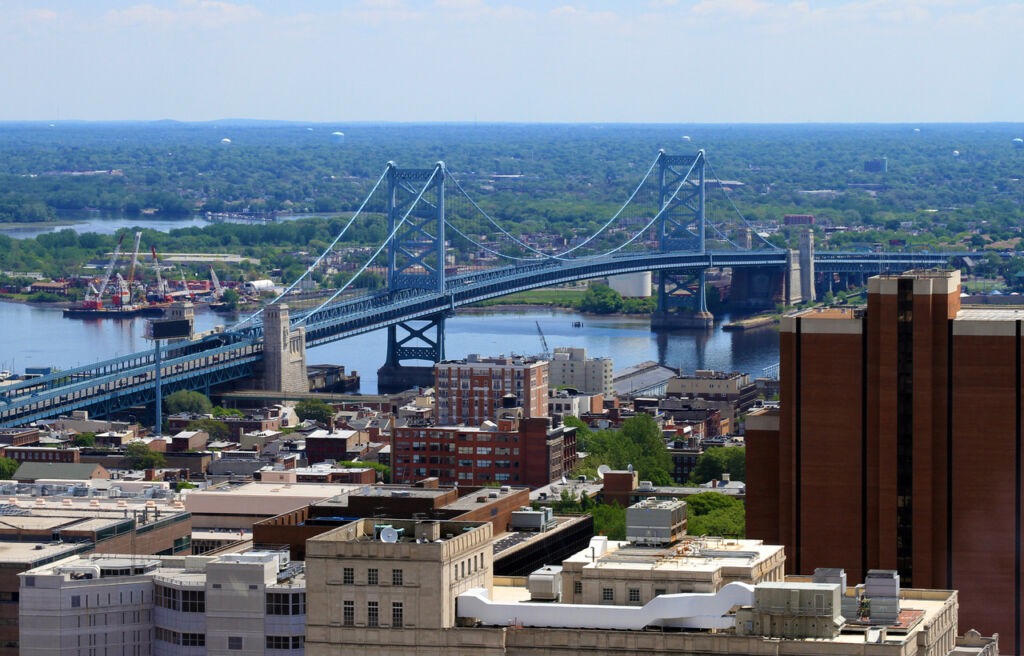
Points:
(898, 445)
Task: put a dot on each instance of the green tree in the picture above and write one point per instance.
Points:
(715, 461)
(140, 456)
(601, 299)
(314, 409)
(610, 520)
(714, 513)
(84, 439)
(188, 401)
(217, 430)
(230, 298)
(7, 468)
(383, 471)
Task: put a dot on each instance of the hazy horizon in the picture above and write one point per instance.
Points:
(499, 61)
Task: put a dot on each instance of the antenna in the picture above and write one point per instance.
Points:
(388, 534)
(601, 471)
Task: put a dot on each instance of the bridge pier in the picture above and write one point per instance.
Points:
(398, 378)
(284, 352)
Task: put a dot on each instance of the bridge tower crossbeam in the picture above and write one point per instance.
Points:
(682, 302)
(416, 261)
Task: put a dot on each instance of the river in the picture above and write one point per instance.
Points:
(39, 336)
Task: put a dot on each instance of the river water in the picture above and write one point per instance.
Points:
(39, 336)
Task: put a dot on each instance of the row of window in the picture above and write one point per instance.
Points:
(348, 614)
(194, 601)
(348, 576)
(183, 639)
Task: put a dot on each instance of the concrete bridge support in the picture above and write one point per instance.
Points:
(284, 352)
(757, 288)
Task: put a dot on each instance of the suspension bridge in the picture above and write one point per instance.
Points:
(442, 250)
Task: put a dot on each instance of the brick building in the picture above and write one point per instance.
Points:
(875, 457)
(471, 391)
(514, 450)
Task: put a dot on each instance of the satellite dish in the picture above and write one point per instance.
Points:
(389, 535)
(601, 471)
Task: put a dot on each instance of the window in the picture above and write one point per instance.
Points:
(285, 603)
(348, 613)
(659, 591)
(76, 601)
(348, 576)
(372, 613)
(577, 587)
(397, 612)
(372, 576)
(397, 577)
(193, 601)
(607, 594)
(193, 639)
(278, 642)
(634, 595)
(286, 642)
(234, 642)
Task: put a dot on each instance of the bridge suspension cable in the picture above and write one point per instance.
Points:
(738, 213)
(302, 319)
(326, 252)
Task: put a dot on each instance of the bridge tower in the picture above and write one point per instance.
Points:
(682, 302)
(284, 352)
(416, 261)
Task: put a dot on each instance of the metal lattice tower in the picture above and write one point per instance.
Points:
(416, 257)
(681, 198)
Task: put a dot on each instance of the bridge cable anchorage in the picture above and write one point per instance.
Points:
(327, 251)
(302, 319)
(737, 210)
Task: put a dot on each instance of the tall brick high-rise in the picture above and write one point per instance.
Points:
(898, 445)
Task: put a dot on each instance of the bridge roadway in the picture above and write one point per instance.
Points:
(130, 381)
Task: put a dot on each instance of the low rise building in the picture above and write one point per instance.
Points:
(512, 450)
(249, 603)
(381, 586)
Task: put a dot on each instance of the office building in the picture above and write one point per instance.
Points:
(397, 587)
(244, 603)
(898, 445)
(473, 390)
(570, 367)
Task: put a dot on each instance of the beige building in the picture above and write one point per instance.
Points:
(473, 390)
(393, 591)
(422, 587)
(570, 367)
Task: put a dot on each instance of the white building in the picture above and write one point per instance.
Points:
(242, 603)
(570, 367)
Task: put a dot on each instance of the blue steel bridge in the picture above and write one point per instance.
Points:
(442, 250)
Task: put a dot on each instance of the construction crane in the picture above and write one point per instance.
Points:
(218, 291)
(131, 266)
(546, 352)
(94, 299)
(161, 286)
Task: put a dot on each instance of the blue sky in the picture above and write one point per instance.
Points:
(634, 61)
